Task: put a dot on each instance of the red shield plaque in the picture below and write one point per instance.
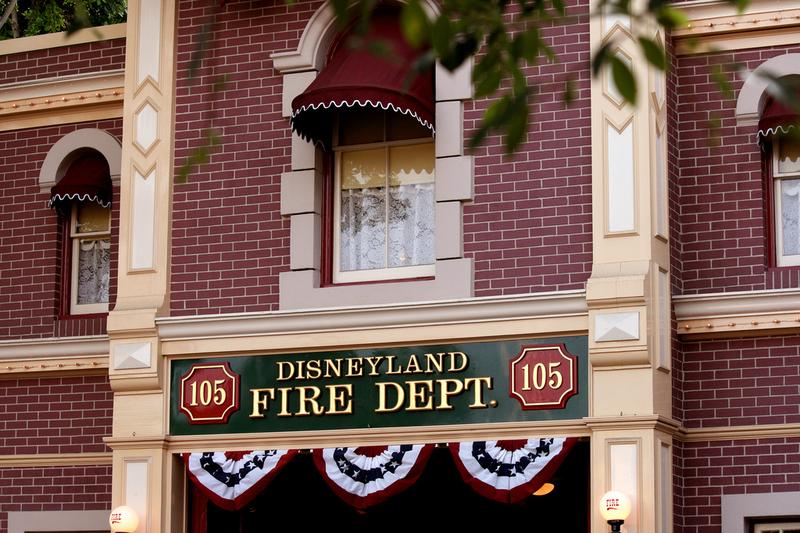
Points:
(209, 393)
(543, 377)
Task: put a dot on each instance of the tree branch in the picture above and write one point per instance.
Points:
(7, 13)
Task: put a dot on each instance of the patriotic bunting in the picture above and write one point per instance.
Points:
(509, 471)
(364, 477)
(232, 479)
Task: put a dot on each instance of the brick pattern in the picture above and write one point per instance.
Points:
(78, 488)
(709, 470)
(530, 226)
(55, 415)
(229, 241)
(63, 61)
(30, 240)
(740, 382)
(722, 217)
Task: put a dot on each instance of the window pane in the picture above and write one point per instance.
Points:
(360, 126)
(91, 217)
(411, 206)
(364, 169)
(788, 156)
(93, 270)
(790, 216)
(362, 238)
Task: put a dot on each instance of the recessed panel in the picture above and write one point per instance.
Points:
(143, 211)
(620, 192)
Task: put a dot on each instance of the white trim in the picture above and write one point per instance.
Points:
(31, 521)
(63, 152)
(737, 508)
(79, 198)
(423, 313)
(54, 347)
(358, 103)
(693, 306)
(777, 129)
(753, 94)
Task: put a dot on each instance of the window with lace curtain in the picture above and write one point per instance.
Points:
(383, 202)
(786, 194)
(90, 257)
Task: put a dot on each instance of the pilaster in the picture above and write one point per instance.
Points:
(628, 294)
(136, 368)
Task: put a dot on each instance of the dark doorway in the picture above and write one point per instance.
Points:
(299, 499)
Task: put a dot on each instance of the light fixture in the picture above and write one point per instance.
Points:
(615, 507)
(544, 490)
(123, 519)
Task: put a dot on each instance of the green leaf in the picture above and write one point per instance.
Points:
(623, 78)
(488, 83)
(415, 24)
(672, 18)
(654, 53)
(722, 81)
(601, 57)
(442, 35)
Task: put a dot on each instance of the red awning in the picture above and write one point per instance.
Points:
(87, 180)
(358, 77)
(777, 118)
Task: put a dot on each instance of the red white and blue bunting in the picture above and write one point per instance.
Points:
(509, 471)
(232, 479)
(364, 477)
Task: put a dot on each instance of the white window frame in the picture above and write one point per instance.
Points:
(375, 274)
(777, 176)
(75, 238)
(780, 527)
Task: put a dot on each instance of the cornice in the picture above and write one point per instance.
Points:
(55, 40)
(474, 310)
(729, 314)
(55, 459)
(60, 355)
(740, 432)
(715, 25)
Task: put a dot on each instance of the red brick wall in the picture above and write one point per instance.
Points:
(78, 488)
(62, 61)
(530, 226)
(30, 241)
(741, 382)
(55, 415)
(722, 220)
(710, 470)
(229, 241)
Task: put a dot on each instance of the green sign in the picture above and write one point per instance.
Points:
(465, 383)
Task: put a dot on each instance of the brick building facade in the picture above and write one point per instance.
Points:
(646, 234)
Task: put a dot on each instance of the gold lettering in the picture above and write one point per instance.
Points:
(445, 392)
(420, 397)
(313, 370)
(305, 399)
(373, 363)
(382, 397)
(340, 399)
(478, 401)
(355, 367)
(300, 370)
(333, 368)
(390, 366)
(464, 361)
(412, 367)
(284, 392)
(260, 403)
(434, 362)
(289, 373)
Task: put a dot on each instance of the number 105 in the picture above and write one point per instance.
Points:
(541, 375)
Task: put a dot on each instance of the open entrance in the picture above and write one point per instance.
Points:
(298, 497)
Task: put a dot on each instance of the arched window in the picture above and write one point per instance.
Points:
(82, 197)
(780, 134)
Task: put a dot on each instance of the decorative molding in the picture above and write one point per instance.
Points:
(764, 431)
(132, 355)
(55, 40)
(55, 87)
(467, 311)
(752, 95)
(716, 26)
(37, 349)
(59, 157)
(616, 327)
(55, 459)
(61, 109)
(52, 521)
(751, 313)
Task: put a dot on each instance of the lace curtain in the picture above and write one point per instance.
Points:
(93, 270)
(790, 216)
(363, 237)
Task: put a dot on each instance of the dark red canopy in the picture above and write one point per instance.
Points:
(87, 179)
(358, 77)
(777, 118)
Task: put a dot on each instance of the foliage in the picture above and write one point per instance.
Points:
(35, 17)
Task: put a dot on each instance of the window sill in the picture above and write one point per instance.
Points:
(301, 289)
